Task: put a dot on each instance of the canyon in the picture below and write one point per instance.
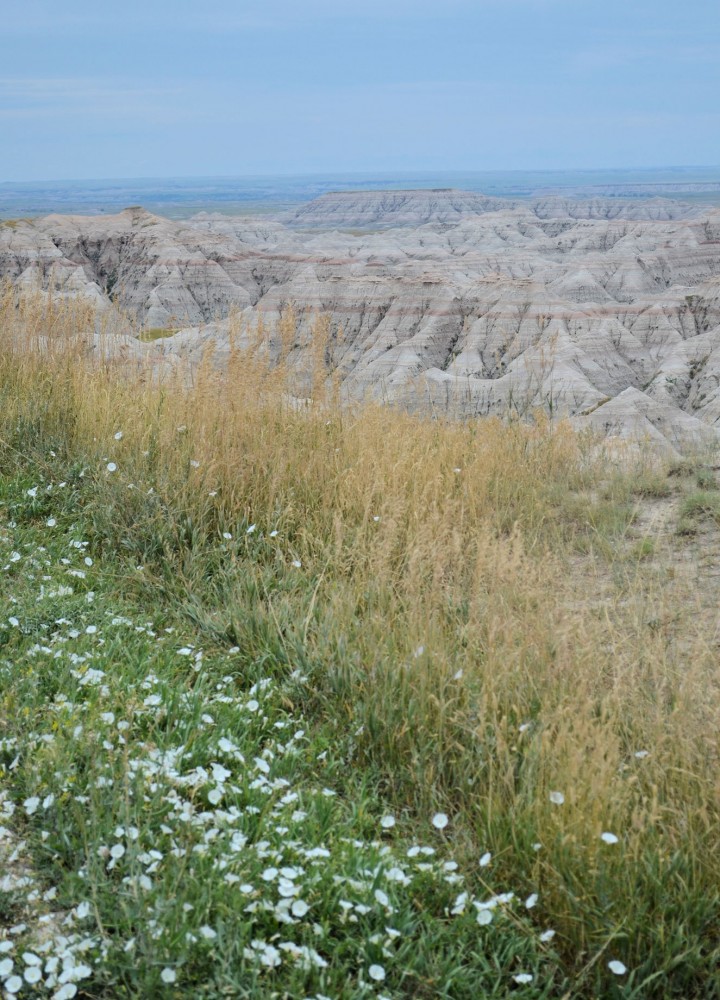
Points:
(606, 311)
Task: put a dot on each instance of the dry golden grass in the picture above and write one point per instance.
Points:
(454, 603)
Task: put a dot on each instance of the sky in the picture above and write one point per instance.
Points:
(180, 88)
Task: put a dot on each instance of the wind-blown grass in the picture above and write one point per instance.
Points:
(432, 584)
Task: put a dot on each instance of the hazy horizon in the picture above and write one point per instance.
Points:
(288, 174)
(178, 197)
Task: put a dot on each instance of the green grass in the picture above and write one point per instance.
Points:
(396, 616)
(123, 678)
(643, 549)
(705, 479)
(120, 712)
(697, 507)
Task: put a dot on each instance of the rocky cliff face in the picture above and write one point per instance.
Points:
(605, 311)
(386, 209)
(389, 209)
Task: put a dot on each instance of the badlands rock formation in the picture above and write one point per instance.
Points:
(388, 209)
(605, 311)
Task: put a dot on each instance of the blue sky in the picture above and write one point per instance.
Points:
(145, 88)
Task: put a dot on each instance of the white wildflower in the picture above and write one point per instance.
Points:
(270, 956)
(460, 904)
(66, 992)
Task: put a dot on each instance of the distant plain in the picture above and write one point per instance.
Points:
(182, 197)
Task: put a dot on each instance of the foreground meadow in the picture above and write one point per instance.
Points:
(323, 702)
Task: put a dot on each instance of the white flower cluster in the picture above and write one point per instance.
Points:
(193, 782)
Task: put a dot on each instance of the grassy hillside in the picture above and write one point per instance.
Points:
(310, 702)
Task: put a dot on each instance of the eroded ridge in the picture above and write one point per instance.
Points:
(607, 311)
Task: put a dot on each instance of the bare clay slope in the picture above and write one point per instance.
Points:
(605, 311)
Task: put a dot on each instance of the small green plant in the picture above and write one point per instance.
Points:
(654, 485)
(643, 549)
(702, 505)
(705, 479)
(10, 908)
(156, 333)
